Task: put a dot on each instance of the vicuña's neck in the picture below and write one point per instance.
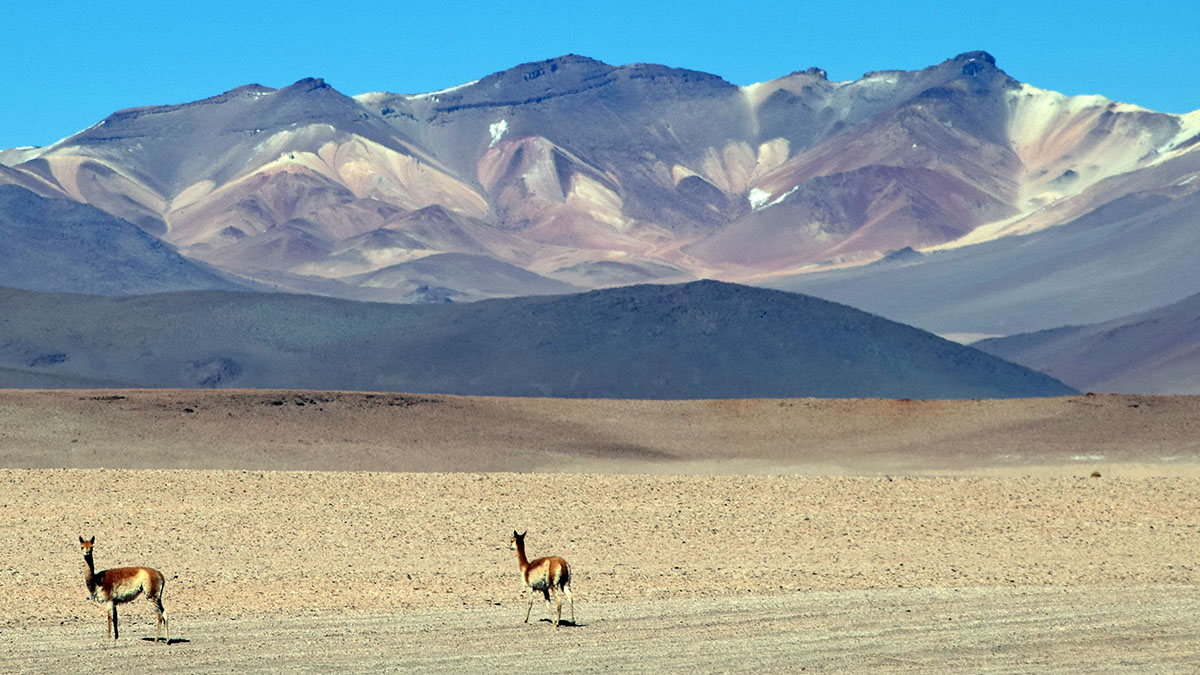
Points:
(521, 559)
(89, 574)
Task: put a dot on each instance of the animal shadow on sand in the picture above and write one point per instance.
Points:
(172, 641)
(564, 623)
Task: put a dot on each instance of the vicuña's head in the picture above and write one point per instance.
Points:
(517, 540)
(86, 544)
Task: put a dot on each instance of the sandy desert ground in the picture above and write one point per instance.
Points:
(318, 531)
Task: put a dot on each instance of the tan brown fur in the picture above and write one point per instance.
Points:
(123, 584)
(550, 576)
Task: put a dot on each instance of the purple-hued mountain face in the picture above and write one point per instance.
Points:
(1155, 351)
(571, 173)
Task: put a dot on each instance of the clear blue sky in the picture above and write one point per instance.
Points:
(65, 65)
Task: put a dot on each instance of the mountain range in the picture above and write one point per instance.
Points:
(593, 175)
(952, 198)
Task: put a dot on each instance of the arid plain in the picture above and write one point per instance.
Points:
(315, 531)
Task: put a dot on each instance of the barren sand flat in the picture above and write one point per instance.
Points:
(1020, 630)
(270, 430)
(959, 536)
(785, 570)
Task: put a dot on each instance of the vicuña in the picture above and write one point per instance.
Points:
(123, 584)
(548, 575)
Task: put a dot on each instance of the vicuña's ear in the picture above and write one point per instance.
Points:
(523, 534)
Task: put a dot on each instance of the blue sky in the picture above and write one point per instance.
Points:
(65, 65)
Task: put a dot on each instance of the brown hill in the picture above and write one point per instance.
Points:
(304, 430)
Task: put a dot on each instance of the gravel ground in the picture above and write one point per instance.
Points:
(940, 560)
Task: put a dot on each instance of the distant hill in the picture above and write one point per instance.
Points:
(1155, 352)
(1134, 254)
(61, 245)
(697, 340)
(473, 274)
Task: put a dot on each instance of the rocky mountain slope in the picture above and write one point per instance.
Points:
(1133, 254)
(951, 198)
(699, 340)
(54, 244)
(1155, 351)
(584, 174)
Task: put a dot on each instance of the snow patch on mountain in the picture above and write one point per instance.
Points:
(1039, 114)
(377, 97)
(497, 131)
(373, 97)
(1189, 129)
(758, 198)
(15, 156)
(442, 92)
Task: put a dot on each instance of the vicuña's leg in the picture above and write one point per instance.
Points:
(546, 594)
(161, 622)
(112, 621)
(570, 600)
(530, 607)
(558, 613)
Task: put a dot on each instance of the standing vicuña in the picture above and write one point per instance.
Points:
(548, 575)
(120, 585)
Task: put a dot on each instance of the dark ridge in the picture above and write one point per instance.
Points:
(307, 84)
(978, 55)
(906, 254)
(53, 244)
(813, 71)
(703, 339)
(253, 88)
(136, 112)
(651, 71)
(594, 84)
(561, 77)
